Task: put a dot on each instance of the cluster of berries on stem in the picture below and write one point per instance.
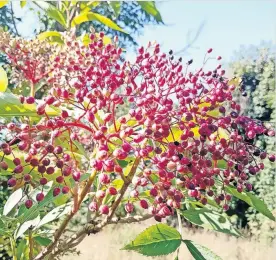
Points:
(189, 135)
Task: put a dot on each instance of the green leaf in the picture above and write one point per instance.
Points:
(21, 248)
(211, 220)
(122, 163)
(52, 35)
(23, 3)
(81, 149)
(57, 15)
(200, 252)
(55, 214)
(150, 8)
(116, 6)
(27, 214)
(260, 206)
(43, 241)
(251, 200)
(156, 240)
(11, 106)
(3, 229)
(3, 3)
(12, 201)
(25, 226)
(85, 17)
(240, 195)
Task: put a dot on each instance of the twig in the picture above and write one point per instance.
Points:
(82, 233)
(93, 228)
(13, 247)
(48, 250)
(13, 21)
(31, 245)
(130, 219)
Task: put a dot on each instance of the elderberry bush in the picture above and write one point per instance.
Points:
(179, 142)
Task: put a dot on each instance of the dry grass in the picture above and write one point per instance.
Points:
(106, 245)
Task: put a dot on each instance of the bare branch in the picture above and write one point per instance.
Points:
(191, 42)
(13, 20)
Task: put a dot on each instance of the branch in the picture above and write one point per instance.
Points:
(31, 245)
(13, 21)
(130, 219)
(191, 42)
(123, 189)
(48, 250)
(93, 228)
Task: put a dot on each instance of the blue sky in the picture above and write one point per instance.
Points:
(227, 26)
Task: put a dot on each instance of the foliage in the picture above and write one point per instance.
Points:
(256, 66)
(104, 16)
(161, 240)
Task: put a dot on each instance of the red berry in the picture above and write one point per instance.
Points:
(104, 209)
(271, 157)
(30, 100)
(76, 175)
(60, 179)
(58, 150)
(104, 178)
(4, 166)
(64, 114)
(18, 169)
(50, 148)
(129, 207)
(210, 50)
(50, 170)
(226, 207)
(41, 169)
(65, 190)
(12, 182)
(144, 204)
(43, 181)
(28, 203)
(40, 196)
(16, 161)
(112, 191)
(27, 177)
(46, 161)
(93, 206)
(56, 191)
(153, 192)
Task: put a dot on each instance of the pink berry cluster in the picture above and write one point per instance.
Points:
(183, 126)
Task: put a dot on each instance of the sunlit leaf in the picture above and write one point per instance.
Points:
(85, 17)
(116, 6)
(156, 240)
(52, 35)
(150, 8)
(3, 80)
(57, 15)
(23, 3)
(210, 219)
(200, 252)
(3, 3)
(12, 201)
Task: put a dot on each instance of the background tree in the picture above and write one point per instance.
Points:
(256, 67)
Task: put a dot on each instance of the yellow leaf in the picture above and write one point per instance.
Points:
(89, 16)
(234, 81)
(3, 3)
(3, 79)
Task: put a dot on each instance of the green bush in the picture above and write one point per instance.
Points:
(256, 67)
